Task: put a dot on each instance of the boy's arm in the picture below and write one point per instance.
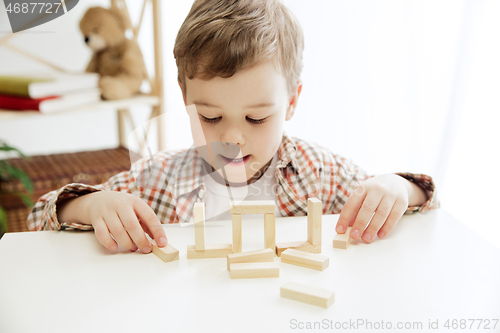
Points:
(377, 205)
(422, 192)
(45, 214)
(342, 177)
(374, 205)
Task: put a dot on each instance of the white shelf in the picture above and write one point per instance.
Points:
(154, 103)
(144, 100)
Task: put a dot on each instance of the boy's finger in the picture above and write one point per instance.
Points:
(348, 212)
(134, 229)
(397, 212)
(149, 218)
(365, 213)
(378, 220)
(101, 232)
(146, 229)
(116, 229)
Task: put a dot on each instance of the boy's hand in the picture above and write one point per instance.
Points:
(124, 216)
(386, 196)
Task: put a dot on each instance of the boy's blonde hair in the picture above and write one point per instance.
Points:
(220, 37)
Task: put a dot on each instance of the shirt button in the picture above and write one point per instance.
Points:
(201, 192)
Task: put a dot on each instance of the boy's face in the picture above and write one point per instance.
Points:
(248, 109)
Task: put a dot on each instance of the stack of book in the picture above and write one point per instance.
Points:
(48, 94)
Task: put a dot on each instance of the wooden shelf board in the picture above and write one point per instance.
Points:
(146, 100)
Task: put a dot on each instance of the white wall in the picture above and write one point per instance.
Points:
(471, 185)
(394, 85)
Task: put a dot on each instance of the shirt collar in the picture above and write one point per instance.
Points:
(287, 153)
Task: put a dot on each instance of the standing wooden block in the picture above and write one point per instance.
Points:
(253, 207)
(269, 231)
(167, 253)
(200, 250)
(266, 255)
(211, 251)
(314, 216)
(266, 207)
(199, 226)
(342, 241)
(300, 246)
(305, 259)
(253, 270)
(237, 239)
(308, 294)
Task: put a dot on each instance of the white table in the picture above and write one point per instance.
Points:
(431, 267)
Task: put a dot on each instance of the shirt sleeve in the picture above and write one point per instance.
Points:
(343, 176)
(43, 216)
(427, 184)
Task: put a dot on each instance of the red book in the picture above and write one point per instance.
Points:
(21, 103)
(48, 104)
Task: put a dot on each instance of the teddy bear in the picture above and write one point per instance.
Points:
(116, 58)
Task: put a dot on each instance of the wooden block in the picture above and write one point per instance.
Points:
(305, 259)
(199, 226)
(307, 294)
(167, 253)
(314, 216)
(237, 240)
(253, 207)
(266, 255)
(300, 245)
(253, 270)
(342, 241)
(211, 251)
(269, 231)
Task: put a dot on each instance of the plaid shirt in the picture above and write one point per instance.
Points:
(171, 182)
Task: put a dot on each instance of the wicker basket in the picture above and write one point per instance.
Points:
(50, 172)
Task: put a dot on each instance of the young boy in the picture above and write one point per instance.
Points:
(239, 66)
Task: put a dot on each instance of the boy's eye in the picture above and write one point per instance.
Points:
(210, 120)
(214, 120)
(256, 121)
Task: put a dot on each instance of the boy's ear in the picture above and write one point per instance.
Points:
(183, 92)
(292, 103)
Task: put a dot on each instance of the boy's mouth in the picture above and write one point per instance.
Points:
(235, 161)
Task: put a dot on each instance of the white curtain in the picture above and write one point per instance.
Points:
(395, 86)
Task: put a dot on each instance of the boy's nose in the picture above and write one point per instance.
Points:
(233, 136)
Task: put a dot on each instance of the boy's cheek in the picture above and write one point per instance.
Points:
(208, 133)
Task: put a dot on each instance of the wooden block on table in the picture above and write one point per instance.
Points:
(253, 270)
(300, 245)
(211, 251)
(237, 239)
(199, 226)
(314, 216)
(269, 231)
(167, 253)
(342, 241)
(253, 207)
(307, 294)
(305, 259)
(266, 255)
